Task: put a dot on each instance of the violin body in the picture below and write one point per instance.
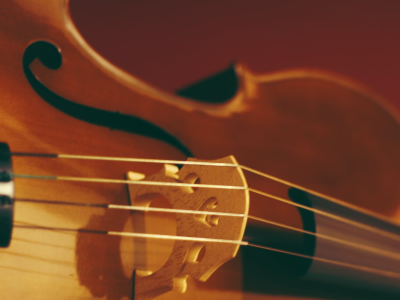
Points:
(311, 128)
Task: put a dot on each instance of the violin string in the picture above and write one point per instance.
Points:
(323, 196)
(131, 182)
(391, 254)
(133, 208)
(210, 163)
(139, 235)
(210, 240)
(212, 186)
(335, 262)
(197, 212)
(243, 243)
(126, 159)
(331, 216)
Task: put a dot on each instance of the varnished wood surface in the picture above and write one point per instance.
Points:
(307, 127)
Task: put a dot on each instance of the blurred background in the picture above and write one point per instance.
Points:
(172, 44)
(175, 43)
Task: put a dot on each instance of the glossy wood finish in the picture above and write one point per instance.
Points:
(185, 259)
(307, 127)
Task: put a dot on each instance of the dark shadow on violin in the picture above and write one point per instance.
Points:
(217, 89)
(274, 273)
(98, 260)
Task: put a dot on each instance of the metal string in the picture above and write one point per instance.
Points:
(208, 163)
(212, 186)
(335, 262)
(197, 212)
(210, 240)
(243, 243)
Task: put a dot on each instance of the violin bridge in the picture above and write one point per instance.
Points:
(198, 249)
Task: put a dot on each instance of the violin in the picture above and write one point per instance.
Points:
(114, 189)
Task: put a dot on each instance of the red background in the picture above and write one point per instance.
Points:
(174, 43)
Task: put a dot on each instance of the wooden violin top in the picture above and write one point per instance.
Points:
(314, 129)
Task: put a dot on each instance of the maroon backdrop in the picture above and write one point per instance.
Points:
(174, 43)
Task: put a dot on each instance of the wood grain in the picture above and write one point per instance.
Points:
(315, 129)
